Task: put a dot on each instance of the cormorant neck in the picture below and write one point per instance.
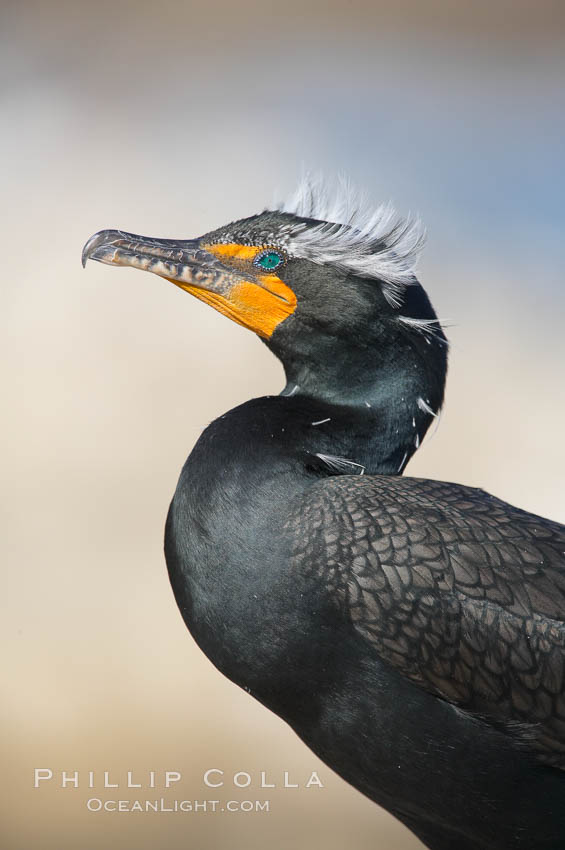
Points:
(389, 391)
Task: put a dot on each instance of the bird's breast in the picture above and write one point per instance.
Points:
(229, 557)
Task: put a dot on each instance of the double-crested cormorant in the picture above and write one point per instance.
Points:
(410, 631)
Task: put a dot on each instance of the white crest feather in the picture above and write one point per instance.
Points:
(429, 328)
(354, 236)
(341, 465)
(425, 407)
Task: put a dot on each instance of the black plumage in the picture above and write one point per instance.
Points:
(410, 631)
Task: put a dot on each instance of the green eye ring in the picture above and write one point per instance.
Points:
(269, 260)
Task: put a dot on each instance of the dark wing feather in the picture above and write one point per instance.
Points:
(461, 592)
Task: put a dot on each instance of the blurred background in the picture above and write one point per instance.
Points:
(170, 119)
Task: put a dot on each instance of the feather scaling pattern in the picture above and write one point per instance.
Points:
(459, 591)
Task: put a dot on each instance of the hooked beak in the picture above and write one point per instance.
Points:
(255, 301)
(181, 261)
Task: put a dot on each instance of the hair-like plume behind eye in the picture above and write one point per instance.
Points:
(353, 235)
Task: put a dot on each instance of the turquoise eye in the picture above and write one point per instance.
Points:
(269, 260)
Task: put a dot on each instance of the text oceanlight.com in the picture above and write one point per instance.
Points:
(187, 806)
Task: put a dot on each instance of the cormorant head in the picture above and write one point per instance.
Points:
(317, 279)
